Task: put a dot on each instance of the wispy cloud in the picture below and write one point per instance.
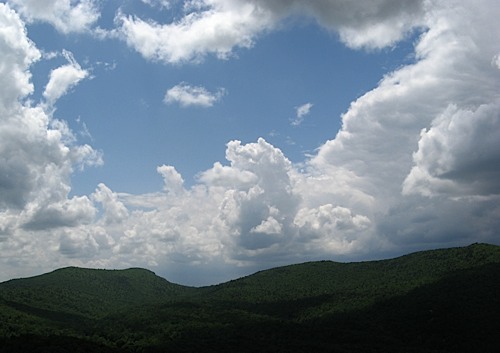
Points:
(63, 78)
(158, 3)
(66, 16)
(187, 95)
(300, 113)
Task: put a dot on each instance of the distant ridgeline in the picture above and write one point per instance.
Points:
(432, 301)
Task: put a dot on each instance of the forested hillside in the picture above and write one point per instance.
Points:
(433, 301)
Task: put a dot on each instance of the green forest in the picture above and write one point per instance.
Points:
(445, 300)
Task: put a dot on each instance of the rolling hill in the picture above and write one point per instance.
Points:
(89, 293)
(445, 300)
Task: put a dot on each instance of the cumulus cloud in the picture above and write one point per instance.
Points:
(65, 15)
(219, 26)
(37, 152)
(14, 75)
(64, 78)
(114, 210)
(414, 165)
(224, 176)
(248, 211)
(428, 129)
(187, 95)
(64, 213)
(173, 182)
(268, 226)
(458, 155)
(338, 229)
(77, 245)
(269, 202)
(398, 144)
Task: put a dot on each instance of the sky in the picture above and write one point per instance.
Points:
(210, 139)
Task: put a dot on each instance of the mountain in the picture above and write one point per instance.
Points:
(89, 293)
(444, 300)
(372, 280)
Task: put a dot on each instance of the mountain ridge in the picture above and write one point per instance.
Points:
(288, 308)
(145, 270)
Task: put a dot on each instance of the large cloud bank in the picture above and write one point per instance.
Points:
(416, 163)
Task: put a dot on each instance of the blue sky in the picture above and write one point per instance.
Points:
(124, 112)
(208, 139)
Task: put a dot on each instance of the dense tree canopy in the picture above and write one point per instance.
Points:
(437, 301)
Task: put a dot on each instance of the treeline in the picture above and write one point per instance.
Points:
(434, 301)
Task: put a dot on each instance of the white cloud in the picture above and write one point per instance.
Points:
(301, 112)
(332, 227)
(38, 154)
(225, 176)
(248, 211)
(187, 95)
(114, 210)
(64, 78)
(458, 154)
(217, 29)
(430, 129)
(268, 226)
(162, 4)
(65, 213)
(65, 15)
(414, 165)
(14, 75)
(78, 245)
(496, 61)
(370, 25)
(219, 26)
(173, 182)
